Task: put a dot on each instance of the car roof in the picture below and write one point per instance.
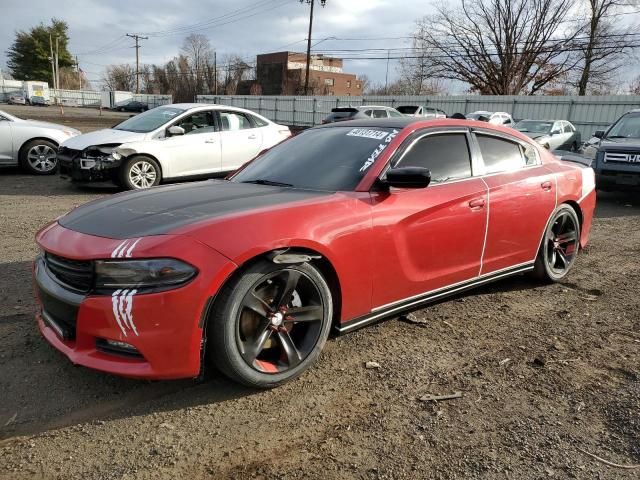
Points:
(211, 106)
(384, 107)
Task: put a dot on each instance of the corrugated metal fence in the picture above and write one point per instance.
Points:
(586, 113)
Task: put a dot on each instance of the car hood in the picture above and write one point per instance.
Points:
(620, 144)
(161, 210)
(102, 137)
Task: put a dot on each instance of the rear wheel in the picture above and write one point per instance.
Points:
(574, 147)
(39, 157)
(559, 247)
(139, 172)
(270, 324)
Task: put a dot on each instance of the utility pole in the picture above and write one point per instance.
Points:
(215, 73)
(137, 38)
(57, 67)
(53, 67)
(386, 76)
(79, 77)
(306, 77)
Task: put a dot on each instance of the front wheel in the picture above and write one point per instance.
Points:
(559, 247)
(140, 172)
(39, 157)
(270, 323)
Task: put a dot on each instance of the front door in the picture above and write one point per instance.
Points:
(241, 140)
(522, 196)
(432, 237)
(197, 152)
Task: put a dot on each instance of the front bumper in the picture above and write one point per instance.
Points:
(614, 179)
(169, 325)
(77, 169)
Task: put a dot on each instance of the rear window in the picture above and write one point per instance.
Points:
(340, 115)
(500, 155)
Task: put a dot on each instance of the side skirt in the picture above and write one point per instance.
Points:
(412, 303)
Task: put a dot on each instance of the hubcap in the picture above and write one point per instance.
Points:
(42, 158)
(142, 174)
(561, 244)
(279, 321)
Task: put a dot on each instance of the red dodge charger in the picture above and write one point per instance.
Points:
(339, 227)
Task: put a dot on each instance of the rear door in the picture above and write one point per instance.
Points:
(522, 196)
(241, 140)
(429, 238)
(6, 142)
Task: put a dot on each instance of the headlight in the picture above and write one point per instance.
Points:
(150, 274)
(115, 156)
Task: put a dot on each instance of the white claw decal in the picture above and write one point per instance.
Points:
(124, 249)
(122, 303)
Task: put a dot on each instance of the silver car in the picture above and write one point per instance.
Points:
(552, 134)
(31, 144)
(16, 100)
(420, 111)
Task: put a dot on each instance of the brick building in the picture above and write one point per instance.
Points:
(282, 73)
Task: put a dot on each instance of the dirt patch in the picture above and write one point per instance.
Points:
(543, 369)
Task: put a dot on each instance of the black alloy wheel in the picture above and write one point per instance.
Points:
(272, 324)
(560, 245)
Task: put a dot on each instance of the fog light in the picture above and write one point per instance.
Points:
(115, 347)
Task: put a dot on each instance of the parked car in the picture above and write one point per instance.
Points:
(420, 111)
(496, 118)
(339, 227)
(39, 101)
(16, 100)
(340, 114)
(615, 153)
(172, 142)
(132, 106)
(551, 134)
(31, 144)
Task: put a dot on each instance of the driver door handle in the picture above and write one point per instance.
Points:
(252, 137)
(476, 203)
(210, 140)
(546, 186)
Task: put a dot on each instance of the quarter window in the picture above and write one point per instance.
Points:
(445, 155)
(500, 155)
(380, 114)
(393, 113)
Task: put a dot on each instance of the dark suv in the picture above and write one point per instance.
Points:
(615, 153)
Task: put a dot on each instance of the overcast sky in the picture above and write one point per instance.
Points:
(96, 27)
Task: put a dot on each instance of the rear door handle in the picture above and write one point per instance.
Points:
(546, 186)
(210, 140)
(252, 137)
(476, 203)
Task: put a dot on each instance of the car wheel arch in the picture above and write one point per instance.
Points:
(145, 155)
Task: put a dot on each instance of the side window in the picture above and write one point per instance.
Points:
(568, 128)
(530, 155)
(231, 121)
(557, 127)
(500, 155)
(199, 122)
(380, 114)
(368, 113)
(445, 155)
(393, 113)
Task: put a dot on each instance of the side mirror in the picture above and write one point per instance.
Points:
(408, 177)
(599, 133)
(175, 130)
(555, 132)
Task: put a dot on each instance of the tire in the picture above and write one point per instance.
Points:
(39, 157)
(574, 147)
(559, 247)
(139, 172)
(248, 318)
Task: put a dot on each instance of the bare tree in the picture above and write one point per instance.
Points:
(120, 77)
(499, 47)
(603, 51)
(634, 86)
(196, 48)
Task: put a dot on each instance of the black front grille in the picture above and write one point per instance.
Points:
(75, 274)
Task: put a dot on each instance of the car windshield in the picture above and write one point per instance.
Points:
(331, 159)
(533, 126)
(408, 109)
(627, 127)
(149, 120)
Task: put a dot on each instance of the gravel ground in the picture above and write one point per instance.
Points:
(546, 373)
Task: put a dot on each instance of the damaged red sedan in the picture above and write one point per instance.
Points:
(339, 227)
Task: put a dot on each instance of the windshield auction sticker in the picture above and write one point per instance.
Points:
(380, 148)
(367, 133)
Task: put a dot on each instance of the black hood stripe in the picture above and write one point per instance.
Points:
(161, 210)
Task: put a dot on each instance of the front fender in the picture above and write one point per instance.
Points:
(148, 149)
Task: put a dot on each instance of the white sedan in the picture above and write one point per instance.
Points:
(169, 143)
